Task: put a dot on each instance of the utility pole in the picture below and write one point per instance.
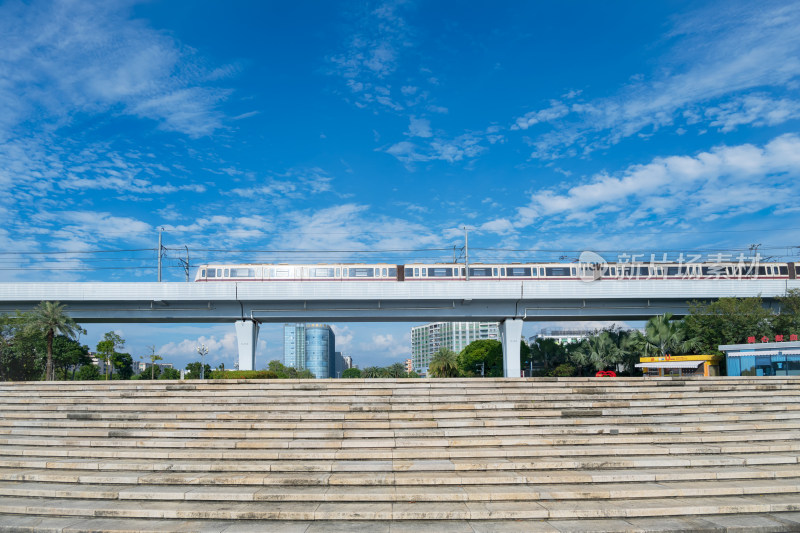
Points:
(466, 250)
(185, 264)
(160, 248)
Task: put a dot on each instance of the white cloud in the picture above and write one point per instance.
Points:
(725, 181)
(755, 109)
(555, 111)
(720, 54)
(219, 349)
(61, 57)
(387, 347)
(420, 127)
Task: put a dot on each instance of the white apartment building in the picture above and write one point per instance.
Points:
(427, 339)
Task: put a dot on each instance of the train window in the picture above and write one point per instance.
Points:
(219, 272)
(384, 272)
(644, 271)
(282, 273)
(338, 272)
(408, 272)
(322, 272)
(556, 271)
(424, 272)
(416, 272)
(226, 275)
(202, 273)
(614, 271)
(362, 272)
(674, 271)
(519, 272)
(393, 272)
(494, 272)
(762, 271)
(243, 273)
(212, 273)
(440, 272)
(572, 271)
(502, 271)
(480, 272)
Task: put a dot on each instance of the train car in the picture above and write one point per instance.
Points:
(493, 272)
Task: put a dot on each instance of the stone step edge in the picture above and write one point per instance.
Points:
(778, 522)
(542, 509)
(395, 494)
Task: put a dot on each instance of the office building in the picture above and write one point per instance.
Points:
(427, 339)
(312, 347)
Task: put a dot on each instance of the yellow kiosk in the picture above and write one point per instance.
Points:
(680, 365)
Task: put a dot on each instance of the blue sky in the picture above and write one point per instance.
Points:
(243, 128)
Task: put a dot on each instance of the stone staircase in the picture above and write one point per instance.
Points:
(568, 454)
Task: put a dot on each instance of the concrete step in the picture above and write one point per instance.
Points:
(411, 510)
(751, 523)
(493, 454)
(528, 492)
(403, 478)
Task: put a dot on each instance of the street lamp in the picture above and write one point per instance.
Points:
(202, 350)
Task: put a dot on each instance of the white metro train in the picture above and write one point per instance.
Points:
(493, 272)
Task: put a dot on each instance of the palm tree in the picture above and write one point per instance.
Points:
(664, 336)
(397, 370)
(50, 318)
(371, 372)
(444, 364)
(599, 351)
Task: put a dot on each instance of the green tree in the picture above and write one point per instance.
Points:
(396, 370)
(564, 370)
(598, 351)
(372, 372)
(727, 321)
(123, 363)
(108, 347)
(51, 319)
(22, 349)
(170, 373)
(665, 335)
(444, 364)
(788, 320)
(88, 372)
(632, 345)
(193, 370)
(351, 373)
(154, 357)
(486, 352)
(548, 353)
(69, 353)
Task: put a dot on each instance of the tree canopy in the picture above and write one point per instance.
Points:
(443, 364)
(51, 319)
(487, 353)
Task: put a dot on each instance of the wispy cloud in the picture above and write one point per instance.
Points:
(725, 181)
(720, 54)
(61, 57)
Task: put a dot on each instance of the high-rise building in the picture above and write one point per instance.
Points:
(294, 345)
(426, 340)
(320, 350)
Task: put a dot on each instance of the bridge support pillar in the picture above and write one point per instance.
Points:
(510, 335)
(247, 335)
